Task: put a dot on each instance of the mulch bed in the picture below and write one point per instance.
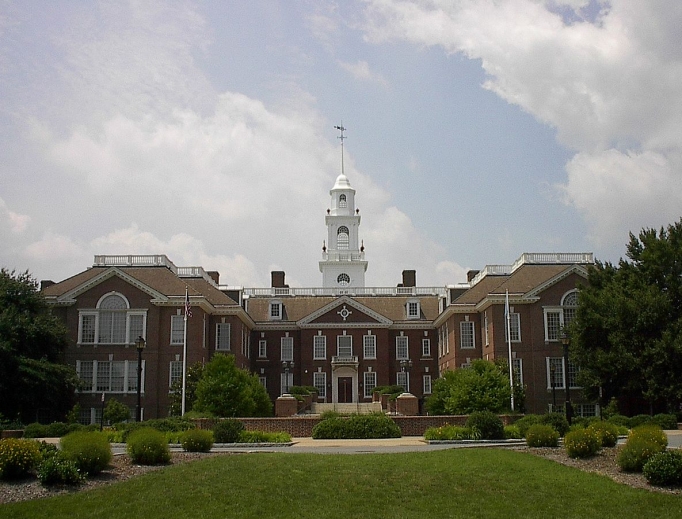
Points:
(122, 469)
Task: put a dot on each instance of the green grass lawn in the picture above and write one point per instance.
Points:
(468, 483)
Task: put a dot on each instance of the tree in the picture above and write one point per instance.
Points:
(482, 387)
(627, 337)
(228, 391)
(194, 373)
(32, 342)
(116, 412)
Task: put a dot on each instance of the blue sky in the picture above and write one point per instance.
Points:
(477, 130)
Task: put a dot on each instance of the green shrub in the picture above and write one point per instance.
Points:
(524, 423)
(116, 412)
(665, 421)
(376, 425)
(619, 419)
(584, 421)
(264, 437)
(194, 415)
(227, 431)
(582, 443)
(197, 440)
(541, 435)
(512, 432)
(638, 420)
(488, 423)
(651, 433)
(636, 452)
(59, 429)
(58, 469)
(90, 451)
(608, 433)
(452, 432)
(664, 469)
(330, 414)
(556, 420)
(174, 424)
(18, 457)
(35, 430)
(46, 449)
(148, 446)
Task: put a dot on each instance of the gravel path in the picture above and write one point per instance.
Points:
(122, 469)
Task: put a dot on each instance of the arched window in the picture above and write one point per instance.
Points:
(112, 320)
(343, 280)
(570, 306)
(342, 238)
(342, 201)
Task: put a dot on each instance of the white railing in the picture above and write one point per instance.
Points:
(549, 258)
(351, 291)
(132, 260)
(345, 359)
(196, 272)
(492, 270)
(343, 256)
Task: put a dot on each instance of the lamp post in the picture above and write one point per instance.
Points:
(565, 341)
(286, 366)
(139, 345)
(552, 370)
(406, 365)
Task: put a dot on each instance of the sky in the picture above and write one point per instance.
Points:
(477, 130)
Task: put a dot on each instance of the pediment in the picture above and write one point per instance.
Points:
(574, 269)
(346, 312)
(71, 295)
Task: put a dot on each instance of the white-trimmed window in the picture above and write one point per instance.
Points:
(175, 372)
(222, 336)
(553, 324)
(402, 379)
(557, 317)
(369, 346)
(413, 309)
(177, 329)
(344, 345)
(342, 238)
(112, 322)
(287, 380)
(275, 310)
(402, 351)
(585, 410)
(262, 348)
(342, 201)
(466, 335)
(569, 305)
(485, 328)
(319, 347)
(263, 381)
(111, 376)
(555, 372)
(320, 383)
(573, 374)
(514, 326)
(427, 384)
(287, 349)
(426, 347)
(517, 370)
(369, 383)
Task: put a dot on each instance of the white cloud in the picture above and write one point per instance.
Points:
(11, 220)
(608, 85)
(361, 71)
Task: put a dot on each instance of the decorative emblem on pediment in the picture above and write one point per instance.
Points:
(344, 312)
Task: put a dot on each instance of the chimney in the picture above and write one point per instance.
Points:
(409, 278)
(215, 276)
(277, 277)
(472, 274)
(46, 283)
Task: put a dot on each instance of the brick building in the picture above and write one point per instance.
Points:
(343, 338)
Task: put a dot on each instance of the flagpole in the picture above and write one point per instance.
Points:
(184, 356)
(511, 369)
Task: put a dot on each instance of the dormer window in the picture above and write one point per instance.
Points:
(413, 309)
(342, 201)
(276, 310)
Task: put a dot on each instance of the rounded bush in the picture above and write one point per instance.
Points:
(556, 420)
(665, 421)
(148, 446)
(664, 469)
(488, 423)
(524, 423)
(18, 457)
(540, 435)
(636, 452)
(331, 428)
(640, 419)
(58, 469)
(35, 430)
(582, 443)
(512, 432)
(90, 451)
(197, 440)
(608, 433)
(227, 431)
(651, 433)
(619, 419)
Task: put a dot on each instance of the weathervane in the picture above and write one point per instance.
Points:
(342, 136)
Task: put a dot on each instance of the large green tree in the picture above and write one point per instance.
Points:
(228, 391)
(627, 337)
(194, 373)
(482, 387)
(32, 342)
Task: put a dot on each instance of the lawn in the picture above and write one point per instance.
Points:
(468, 483)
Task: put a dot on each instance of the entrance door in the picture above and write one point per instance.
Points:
(345, 390)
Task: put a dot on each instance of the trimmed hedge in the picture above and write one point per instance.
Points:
(55, 429)
(357, 427)
(172, 425)
(18, 457)
(90, 451)
(148, 446)
(541, 435)
(264, 437)
(487, 423)
(227, 431)
(452, 432)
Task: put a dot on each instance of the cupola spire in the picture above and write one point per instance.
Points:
(341, 137)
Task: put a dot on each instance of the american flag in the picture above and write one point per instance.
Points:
(188, 308)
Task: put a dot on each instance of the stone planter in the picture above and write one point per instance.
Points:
(11, 433)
